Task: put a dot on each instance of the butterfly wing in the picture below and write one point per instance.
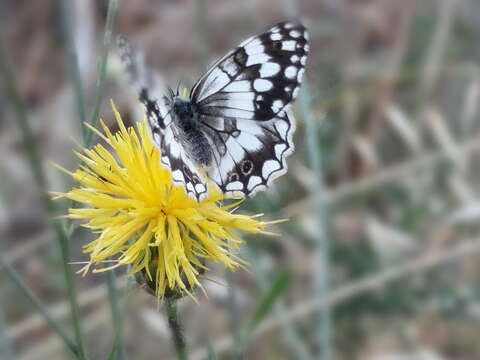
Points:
(164, 134)
(243, 103)
(184, 172)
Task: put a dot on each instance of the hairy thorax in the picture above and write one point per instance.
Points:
(187, 122)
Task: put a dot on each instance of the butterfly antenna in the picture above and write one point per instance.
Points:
(171, 93)
(178, 88)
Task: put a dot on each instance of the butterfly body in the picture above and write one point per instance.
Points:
(188, 128)
(235, 131)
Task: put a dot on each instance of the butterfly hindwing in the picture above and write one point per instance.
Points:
(143, 81)
(183, 170)
(173, 154)
(248, 155)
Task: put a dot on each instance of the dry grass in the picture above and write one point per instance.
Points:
(395, 91)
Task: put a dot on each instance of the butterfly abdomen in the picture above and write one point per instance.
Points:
(187, 121)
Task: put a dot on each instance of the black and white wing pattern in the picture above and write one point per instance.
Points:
(248, 155)
(173, 152)
(243, 103)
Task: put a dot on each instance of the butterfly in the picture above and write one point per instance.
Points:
(235, 129)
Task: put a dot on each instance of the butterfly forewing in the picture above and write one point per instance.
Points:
(243, 103)
(258, 79)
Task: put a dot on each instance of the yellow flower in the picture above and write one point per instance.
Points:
(141, 219)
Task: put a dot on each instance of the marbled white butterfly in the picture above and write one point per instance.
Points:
(236, 127)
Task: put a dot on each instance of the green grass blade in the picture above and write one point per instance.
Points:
(20, 284)
(5, 348)
(265, 306)
(322, 267)
(33, 157)
(233, 313)
(290, 331)
(25, 131)
(277, 288)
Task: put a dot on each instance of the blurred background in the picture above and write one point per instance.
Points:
(381, 194)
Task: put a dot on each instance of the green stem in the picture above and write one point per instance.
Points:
(238, 349)
(176, 330)
(102, 67)
(322, 267)
(64, 243)
(25, 131)
(20, 284)
(118, 345)
(117, 320)
(5, 348)
(33, 156)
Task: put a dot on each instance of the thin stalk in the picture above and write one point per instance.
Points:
(24, 128)
(33, 156)
(176, 329)
(322, 268)
(117, 320)
(102, 67)
(118, 346)
(118, 349)
(5, 348)
(64, 243)
(20, 284)
(234, 318)
(73, 68)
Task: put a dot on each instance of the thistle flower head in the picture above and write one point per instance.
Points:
(141, 219)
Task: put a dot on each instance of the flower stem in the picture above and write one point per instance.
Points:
(234, 318)
(176, 329)
(117, 320)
